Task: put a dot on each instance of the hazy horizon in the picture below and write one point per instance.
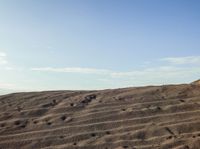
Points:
(86, 44)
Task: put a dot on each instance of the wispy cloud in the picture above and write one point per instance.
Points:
(175, 70)
(6, 86)
(105, 78)
(3, 58)
(162, 72)
(73, 70)
(182, 60)
(155, 72)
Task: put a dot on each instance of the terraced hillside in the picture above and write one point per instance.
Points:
(150, 117)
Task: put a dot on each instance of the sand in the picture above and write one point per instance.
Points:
(152, 117)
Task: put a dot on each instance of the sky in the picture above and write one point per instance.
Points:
(91, 44)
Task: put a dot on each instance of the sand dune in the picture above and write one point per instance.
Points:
(152, 117)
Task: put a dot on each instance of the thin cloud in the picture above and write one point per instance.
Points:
(72, 70)
(156, 72)
(157, 75)
(2, 54)
(6, 86)
(3, 58)
(182, 60)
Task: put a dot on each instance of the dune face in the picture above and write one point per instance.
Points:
(150, 117)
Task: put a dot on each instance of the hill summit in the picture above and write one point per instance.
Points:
(197, 82)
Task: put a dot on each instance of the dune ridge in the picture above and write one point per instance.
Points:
(152, 117)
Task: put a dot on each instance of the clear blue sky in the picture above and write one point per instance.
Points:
(90, 44)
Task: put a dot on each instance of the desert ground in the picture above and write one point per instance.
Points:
(151, 117)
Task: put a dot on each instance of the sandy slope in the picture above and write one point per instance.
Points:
(143, 118)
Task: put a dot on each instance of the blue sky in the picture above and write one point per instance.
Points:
(90, 44)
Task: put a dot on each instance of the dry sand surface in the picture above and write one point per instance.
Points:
(153, 117)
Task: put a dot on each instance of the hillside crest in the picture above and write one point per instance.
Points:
(197, 82)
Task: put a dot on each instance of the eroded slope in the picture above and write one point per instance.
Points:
(142, 118)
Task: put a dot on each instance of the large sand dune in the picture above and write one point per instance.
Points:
(150, 117)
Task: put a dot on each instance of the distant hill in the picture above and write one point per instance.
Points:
(152, 117)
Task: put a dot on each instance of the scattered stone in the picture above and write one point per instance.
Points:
(186, 147)
(158, 108)
(17, 122)
(54, 101)
(182, 100)
(19, 109)
(88, 99)
(141, 135)
(48, 105)
(35, 122)
(169, 130)
(63, 117)
(3, 125)
(93, 134)
(49, 123)
(75, 143)
(170, 137)
(23, 126)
